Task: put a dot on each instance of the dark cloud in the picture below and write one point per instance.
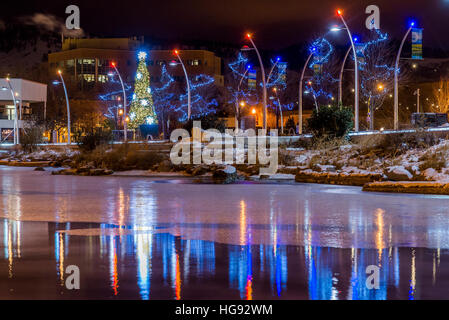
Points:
(51, 23)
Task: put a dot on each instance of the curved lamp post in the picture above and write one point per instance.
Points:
(69, 139)
(125, 124)
(249, 37)
(356, 79)
(189, 97)
(16, 114)
(301, 90)
(396, 78)
(340, 80)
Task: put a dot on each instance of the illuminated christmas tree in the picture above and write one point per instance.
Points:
(142, 107)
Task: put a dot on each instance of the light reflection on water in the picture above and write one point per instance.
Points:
(141, 264)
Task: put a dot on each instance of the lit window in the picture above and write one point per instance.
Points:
(102, 78)
(89, 77)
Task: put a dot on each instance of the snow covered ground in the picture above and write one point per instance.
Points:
(416, 164)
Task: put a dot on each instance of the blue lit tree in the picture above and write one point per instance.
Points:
(322, 84)
(239, 91)
(170, 100)
(376, 63)
(237, 84)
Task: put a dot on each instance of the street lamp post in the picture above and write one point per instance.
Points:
(418, 95)
(340, 80)
(237, 102)
(16, 114)
(189, 97)
(125, 124)
(264, 82)
(301, 91)
(69, 139)
(356, 80)
(396, 79)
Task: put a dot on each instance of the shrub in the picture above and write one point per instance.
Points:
(290, 126)
(285, 158)
(30, 138)
(398, 143)
(93, 139)
(328, 143)
(211, 121)
(331, 122)
(120, 158)
(435, 159)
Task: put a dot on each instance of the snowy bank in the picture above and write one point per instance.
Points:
(417, 187)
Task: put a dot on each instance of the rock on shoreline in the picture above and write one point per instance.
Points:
(353, 179)
(416, 187)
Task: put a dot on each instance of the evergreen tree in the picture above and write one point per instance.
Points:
(142, 107)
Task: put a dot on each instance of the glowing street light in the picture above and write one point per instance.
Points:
(396, 78)
(356, 67)
(264, 80)
(125, 125)
(189, 97)
(335, 29)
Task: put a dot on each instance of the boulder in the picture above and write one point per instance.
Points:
(282, 176)
(288, 170)
(199, 171)
(325, 168)
(225, 175)
(429, 174)
(165, 166)
(97, 172)
(84, 169)
(66, 172)
(398, 173)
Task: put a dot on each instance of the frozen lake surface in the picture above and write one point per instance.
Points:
(150, 239)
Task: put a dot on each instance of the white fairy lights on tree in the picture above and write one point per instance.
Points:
(142, 107)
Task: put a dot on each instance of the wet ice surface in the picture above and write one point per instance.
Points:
(143, 238)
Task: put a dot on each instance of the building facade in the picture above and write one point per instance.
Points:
(88, 61)
(28, 94)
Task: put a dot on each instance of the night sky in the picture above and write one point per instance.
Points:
(275, 23)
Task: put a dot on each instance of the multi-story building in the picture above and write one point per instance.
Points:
(28, 96)
(88, 61)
